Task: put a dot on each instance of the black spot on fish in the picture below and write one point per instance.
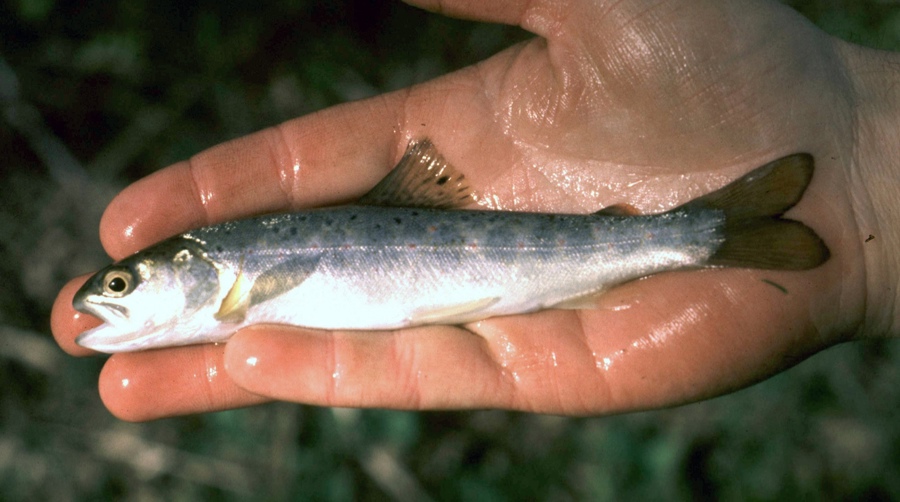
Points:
(414, 213)
(442, 180)
(398, 221)
(352, 217)
(219, 249)
(276, 229)
(293, 230)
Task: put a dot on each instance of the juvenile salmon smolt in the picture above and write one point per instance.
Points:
(406, 255)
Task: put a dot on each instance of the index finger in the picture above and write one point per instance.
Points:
(324, 158)
(318, 159)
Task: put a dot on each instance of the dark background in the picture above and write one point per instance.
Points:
(96, 94)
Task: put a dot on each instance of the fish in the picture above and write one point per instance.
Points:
(409, 253)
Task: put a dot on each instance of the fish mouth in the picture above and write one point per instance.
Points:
(110, 339)
(113, 335)
(105, 311)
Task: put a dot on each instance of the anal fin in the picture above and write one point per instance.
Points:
(452, 314)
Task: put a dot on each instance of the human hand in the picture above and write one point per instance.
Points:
(646, 103)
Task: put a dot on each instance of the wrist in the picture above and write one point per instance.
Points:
(875, 182)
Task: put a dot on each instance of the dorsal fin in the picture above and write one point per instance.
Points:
(422, 178)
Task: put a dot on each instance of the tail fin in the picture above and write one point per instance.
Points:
(756, 236)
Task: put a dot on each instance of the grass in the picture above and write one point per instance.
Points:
(97, 94)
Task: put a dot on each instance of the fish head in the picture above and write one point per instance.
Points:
(148, 298)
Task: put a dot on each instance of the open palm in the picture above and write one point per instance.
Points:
(637, 102)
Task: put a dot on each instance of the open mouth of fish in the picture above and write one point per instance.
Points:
(110, 338)
(107, 312)
(109, 334)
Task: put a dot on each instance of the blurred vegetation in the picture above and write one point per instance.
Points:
(96, 94)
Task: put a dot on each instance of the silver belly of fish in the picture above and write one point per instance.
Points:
(374, 266)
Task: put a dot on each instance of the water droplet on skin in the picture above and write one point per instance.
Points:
(206, 197)
(252, 361)
(289, 177)
(620, 307)
(673, 327)
(125, 383)
(211, 373)
(606, 362)
(337, 375)
(507, 351)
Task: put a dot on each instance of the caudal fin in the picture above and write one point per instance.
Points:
(756, 236)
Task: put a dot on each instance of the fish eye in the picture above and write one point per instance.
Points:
(117, 283)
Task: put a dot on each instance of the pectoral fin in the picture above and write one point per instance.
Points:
(270, 284)
(452, 314)
(235, 304)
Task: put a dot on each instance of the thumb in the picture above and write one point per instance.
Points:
(538, 17)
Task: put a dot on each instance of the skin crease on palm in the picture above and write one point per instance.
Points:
(649, 103)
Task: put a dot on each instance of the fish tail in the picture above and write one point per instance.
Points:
(756, 235)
